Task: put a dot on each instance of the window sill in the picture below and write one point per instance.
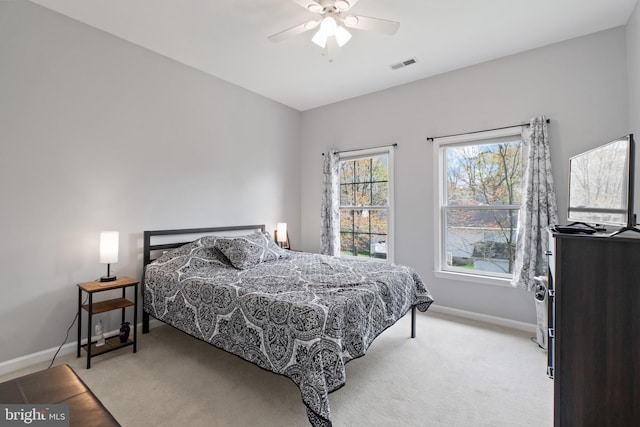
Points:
(485, 280)
(372, 259)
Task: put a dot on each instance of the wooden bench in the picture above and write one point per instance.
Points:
(59, 385)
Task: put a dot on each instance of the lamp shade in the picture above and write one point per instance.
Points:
(281, 232)
(327, 29)
(342, 36)
(109, 247)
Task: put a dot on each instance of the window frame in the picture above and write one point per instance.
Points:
(365, 154)
(439, 170)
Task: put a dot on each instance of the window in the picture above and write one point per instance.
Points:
(480, 179)
(366, 200)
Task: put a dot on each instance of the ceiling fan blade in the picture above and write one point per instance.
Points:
(344, 5)
(298, 29)
(310, 5)
(371, 24)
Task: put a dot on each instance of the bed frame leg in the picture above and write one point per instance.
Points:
(145, 323)
(413, 321)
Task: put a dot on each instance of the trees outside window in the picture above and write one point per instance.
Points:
(365, 200)
(480, 197)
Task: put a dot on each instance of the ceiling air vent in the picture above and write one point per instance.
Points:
(403, 64)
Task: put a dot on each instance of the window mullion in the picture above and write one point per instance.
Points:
(365, 207)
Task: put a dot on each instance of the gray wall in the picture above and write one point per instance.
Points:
(581, 84)
(97, 133)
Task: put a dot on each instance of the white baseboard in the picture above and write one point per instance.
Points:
(494, 320)
(46, 355)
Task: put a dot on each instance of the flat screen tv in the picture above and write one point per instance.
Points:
(601, 185)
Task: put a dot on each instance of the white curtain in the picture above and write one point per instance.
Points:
(538, 210)
(330, 210)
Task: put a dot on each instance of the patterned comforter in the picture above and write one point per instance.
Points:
(303, 316)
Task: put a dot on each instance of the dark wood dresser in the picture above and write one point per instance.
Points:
(594, 330)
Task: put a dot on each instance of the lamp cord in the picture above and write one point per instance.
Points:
(67, 336)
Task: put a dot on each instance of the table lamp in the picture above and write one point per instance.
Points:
(281, 235)
(108, 252)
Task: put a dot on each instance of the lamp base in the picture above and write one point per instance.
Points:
(108, 278)
(284, 244)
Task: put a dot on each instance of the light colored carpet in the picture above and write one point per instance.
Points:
(454, 373)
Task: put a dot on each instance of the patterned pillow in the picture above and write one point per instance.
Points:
(248, 251)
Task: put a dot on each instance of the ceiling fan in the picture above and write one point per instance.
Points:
(332, 34)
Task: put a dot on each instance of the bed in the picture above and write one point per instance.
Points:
(297, 314)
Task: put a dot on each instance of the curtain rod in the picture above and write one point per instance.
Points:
(431, 138)
(395, 144)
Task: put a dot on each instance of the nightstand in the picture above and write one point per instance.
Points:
(112, 343)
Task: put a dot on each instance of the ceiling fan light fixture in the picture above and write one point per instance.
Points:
(320, 39)
(328, 26)
(327, 29)
(342, 36)
(331, 29)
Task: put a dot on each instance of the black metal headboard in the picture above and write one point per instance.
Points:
(172, 244)
(148, 247)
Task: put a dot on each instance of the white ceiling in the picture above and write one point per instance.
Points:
(228, 38)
